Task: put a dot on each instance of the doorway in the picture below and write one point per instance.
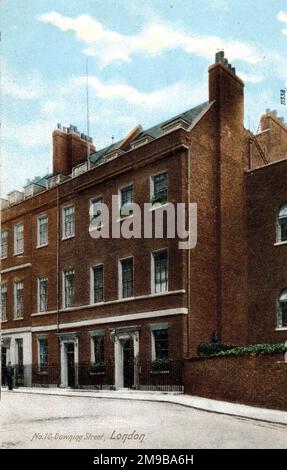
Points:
(126, 350)
(128, 363)
(70, 355)
(19, 366)
(4, 363)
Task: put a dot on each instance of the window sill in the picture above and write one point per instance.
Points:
(158, 205)
(42, 246)
(97, 373)
(40, 372)
(158, 372)
(280, 243)
(68, 238)
(18, 318)
(3, 257)
(281, 328)
(3, 321)
(19, 253)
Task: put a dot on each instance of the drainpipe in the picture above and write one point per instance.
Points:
(58, 273)
(188, 290)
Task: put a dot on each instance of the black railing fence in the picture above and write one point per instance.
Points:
(137, 374)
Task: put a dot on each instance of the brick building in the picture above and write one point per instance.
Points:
(79, 311)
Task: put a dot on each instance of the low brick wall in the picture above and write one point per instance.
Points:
(251, 380)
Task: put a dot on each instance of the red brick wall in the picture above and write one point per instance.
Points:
(68, 150)
(266, 261)
(252, 380)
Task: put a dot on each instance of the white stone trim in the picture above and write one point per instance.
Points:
(111, 302)
(15, 268)
(280, 243)
(102, 321)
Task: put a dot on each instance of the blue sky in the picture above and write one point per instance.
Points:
(148, 60)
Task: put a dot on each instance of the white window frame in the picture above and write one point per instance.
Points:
(120, 278)
(92, 281)
(279, 240)
(153, 290)
(4, 230)
(151, 185)
(91, 201)
(38, 294)
(120, 189)
(101, 333)
(21, 251)
(3, 288)
(39, 218)
(64, 288)
(39, 338)
(279, 312)
(156, 327)
(64, 208)
(15, 316)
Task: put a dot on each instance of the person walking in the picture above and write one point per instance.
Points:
(10, 375)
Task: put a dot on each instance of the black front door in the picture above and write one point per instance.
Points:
(3, 363)
(70, 348)
(128, 350)
(19, 369)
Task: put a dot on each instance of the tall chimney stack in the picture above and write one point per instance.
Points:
(69, 149)
(226, 91)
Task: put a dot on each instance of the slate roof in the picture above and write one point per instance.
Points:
(156, 131)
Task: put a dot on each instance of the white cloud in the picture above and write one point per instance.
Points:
(174, 97)
(154, 38)
(251, 78)
(282, 16)
(13, 85)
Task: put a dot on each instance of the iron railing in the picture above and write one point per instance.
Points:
(140, 375)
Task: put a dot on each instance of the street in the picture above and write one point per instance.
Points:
(39, 421)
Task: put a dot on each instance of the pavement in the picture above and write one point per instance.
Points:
(264, 415)
(123, 420)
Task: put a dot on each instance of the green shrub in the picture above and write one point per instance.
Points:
(212, 348)
(253, 350)
(97, 367)
(160, 364)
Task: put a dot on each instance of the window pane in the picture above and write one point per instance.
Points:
(43, 230)
(98, 284)
(160, 187)
(43, 354)
(18, 299)
(69, 221)
(283, 229)
(127, 277)
(3, 303)
(161, 343)
(42, 286)
(99, 348)
(4, 244)
(283, 313)
(160, 271)
(69, 288)
(18, 238)
(126, 199)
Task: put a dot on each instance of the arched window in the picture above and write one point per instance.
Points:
(282, 224)
(282, 309)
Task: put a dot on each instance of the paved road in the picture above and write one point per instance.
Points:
(38, 421)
